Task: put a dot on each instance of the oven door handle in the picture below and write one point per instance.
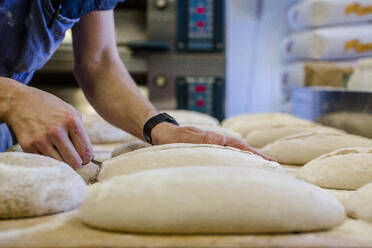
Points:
(147, 46)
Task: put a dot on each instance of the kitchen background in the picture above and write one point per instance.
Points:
(235, 56)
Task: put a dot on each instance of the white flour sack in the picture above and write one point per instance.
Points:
(318, 13)
(329, 44)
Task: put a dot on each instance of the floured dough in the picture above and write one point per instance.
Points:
(102, 132)
(302, 148)
(263, 136)
(33, 185)
(196, 200)
(359, 204)
(88, 172)
(129, 147)
(244, 124)
(176, 155)
(188, 117)
(248, 117)
(15, 148)
(348, 168)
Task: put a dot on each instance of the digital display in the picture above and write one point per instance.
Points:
(201, 24)
(200, 94)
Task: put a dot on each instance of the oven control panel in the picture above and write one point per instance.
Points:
(201, 94)
(200, 26)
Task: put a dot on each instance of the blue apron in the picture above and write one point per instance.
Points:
(27, 42)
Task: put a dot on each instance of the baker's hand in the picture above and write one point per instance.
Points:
(46, 125)
(165, 133)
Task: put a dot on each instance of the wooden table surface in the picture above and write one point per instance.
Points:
(66, 231)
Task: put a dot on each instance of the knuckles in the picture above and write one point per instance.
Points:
(55, 132)
(27, 146)
(72, 121)
(39, 141)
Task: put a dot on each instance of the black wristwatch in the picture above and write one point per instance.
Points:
(153, 121)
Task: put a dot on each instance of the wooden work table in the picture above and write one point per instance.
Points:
(66, 231)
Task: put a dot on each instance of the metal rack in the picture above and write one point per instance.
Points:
(340, 108)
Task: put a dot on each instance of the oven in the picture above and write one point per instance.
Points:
(173, 48)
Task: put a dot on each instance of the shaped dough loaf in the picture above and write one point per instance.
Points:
(348, 168)
(129, 147)
(33, 185)
(102, 132)
(263, 136)
(177, 155)
(196, 200)
(301, 148)
(244, 124)
(359, 204)
(188, 117)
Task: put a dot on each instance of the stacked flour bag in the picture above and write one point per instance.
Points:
(328, 37)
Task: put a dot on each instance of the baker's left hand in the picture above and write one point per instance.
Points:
(165, 133)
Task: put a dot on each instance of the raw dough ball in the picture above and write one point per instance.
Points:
(15, 148)
(244, 124)
(188, 117)
(176, 155)
(196, 200)
(131, 139)
(302, 148)
(33, 185)
(359, 204)
(88, 172)
(348, 168)
(129, 147)
(102, 132)
(248, 117)
(263, 136)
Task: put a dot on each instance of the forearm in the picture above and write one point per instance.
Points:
(113, 93)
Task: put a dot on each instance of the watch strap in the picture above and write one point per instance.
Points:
(155, 120)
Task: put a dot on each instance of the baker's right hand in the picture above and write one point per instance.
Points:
(46, 125)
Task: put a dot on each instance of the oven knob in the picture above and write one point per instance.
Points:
(161, 4)
(160, 81)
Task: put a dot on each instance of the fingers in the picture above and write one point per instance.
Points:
(59, 138)
(213, 138)
(80, 140)
(237, 144)
(47, 149)
(243, 146)
(198, 136)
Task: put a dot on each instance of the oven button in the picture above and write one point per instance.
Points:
(200, 24)
(161, 4)
(200, 10)
(200, 102)
(160, 81)
(200, 88)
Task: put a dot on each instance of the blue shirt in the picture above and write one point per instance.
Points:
(27, 42)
